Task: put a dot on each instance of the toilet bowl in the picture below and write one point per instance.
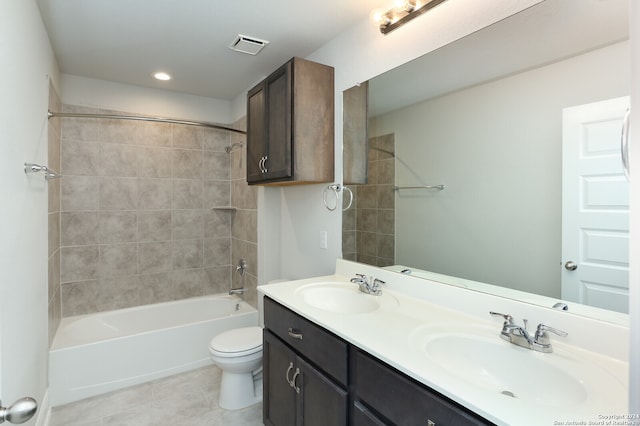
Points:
(238, 353)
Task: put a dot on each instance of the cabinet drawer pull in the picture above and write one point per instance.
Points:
(287, 374)
(293, 380)
(295, 333)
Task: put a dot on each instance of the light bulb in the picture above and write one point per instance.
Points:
(160, 75)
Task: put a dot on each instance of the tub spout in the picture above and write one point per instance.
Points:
(236, 291)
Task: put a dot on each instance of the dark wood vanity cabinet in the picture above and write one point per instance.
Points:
(290, 125)
(386, 396)
(312, 377)
(305, 371)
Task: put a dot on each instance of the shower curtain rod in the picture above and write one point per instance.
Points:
(143, 118)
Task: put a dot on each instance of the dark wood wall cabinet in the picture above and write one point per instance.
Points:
(312, 377)
(290, 125)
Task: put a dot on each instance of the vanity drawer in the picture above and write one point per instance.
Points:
(403, 401)
(319, 346)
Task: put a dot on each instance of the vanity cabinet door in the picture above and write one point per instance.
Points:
(296, 392)
(402, 401)
(279, 402)
(323, 403)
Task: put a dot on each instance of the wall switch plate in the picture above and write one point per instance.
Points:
(323, 239)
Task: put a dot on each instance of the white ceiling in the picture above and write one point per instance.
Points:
(125, 41)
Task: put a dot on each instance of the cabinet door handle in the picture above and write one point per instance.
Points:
(286, 376)
(264, 164)
(293, 380)
(295, 333)
(261, 164)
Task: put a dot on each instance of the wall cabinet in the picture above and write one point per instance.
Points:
(290, 125)
(312, 377)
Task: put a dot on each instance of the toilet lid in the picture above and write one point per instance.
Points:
(236, 342)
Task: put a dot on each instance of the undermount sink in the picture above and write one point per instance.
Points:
(482, 359)
(344, 298)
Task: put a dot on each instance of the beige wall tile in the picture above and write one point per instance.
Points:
(118, 260)
(187, 193)
(154, 194)
(154, 162)
(187, 224)
(217, 223)
(191, 137)
(153, 134)
(216, 194)
(118, 160)
(216, 165)
(188, 283)
(154, 257)
(79, 228)
(217, 252)
(186, 164)
(154, 225)
(187, 254)
(80, 193)
(79, 158)
(118, 227)
(79, 263)
(118, 193)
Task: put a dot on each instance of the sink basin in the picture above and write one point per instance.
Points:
(482, 359)
(344, 298)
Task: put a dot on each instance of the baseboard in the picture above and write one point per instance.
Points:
(43, 415)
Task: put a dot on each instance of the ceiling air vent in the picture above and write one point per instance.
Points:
(250, 45)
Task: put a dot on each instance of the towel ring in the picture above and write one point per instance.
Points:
(336, 188)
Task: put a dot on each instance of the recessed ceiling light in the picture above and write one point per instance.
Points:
(163, 76)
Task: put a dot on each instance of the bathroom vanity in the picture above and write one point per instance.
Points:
(427, 353)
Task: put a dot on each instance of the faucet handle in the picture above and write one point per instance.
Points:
(508, 319)
(542, 338)
(542, 329)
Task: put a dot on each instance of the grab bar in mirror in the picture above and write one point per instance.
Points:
(438, 187)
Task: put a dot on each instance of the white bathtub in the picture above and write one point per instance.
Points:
(97, 353)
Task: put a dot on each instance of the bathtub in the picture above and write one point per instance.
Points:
(97, 353)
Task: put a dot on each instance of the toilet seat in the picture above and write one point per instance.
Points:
(237, 342)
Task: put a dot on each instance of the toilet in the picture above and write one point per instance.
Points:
(238, 353)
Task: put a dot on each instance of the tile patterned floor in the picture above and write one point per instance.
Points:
(188, 399)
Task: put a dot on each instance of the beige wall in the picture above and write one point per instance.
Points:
(144, 215)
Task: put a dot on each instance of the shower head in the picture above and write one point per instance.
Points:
(228, 148)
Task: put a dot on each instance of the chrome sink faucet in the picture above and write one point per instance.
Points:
(368, 285)
(520, 336)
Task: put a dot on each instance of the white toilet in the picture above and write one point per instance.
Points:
(238, 353)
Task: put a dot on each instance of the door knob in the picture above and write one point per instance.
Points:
(20, 411)
(570, 266)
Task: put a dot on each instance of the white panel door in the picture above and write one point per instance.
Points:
(595, 206)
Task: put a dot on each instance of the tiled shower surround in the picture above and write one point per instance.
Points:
(368, 226)
(150, 212)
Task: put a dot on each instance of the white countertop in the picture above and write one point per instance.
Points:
(394, 332)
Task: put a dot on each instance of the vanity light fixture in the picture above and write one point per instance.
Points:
(402, 12)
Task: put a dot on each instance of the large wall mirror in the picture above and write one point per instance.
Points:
(464, 162)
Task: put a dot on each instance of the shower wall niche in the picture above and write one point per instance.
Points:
(150, 212)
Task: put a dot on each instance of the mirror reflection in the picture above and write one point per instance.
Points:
(502, 119)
